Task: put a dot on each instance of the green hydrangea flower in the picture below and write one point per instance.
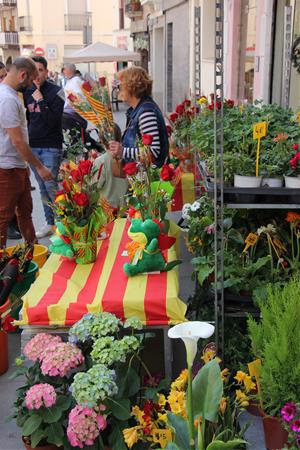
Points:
(92, 326)
(94, 386)
(133, 322)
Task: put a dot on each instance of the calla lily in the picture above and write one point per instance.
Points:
(190, 333)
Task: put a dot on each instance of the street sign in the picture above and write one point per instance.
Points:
(39, 51)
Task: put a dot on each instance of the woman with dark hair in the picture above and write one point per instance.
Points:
(143, 117)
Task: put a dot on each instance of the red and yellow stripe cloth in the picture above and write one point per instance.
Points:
(65, 291)
(184, 191)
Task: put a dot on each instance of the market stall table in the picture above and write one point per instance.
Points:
(184, 191)
(65, 291)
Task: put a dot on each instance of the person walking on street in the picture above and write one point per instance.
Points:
(15, 152)
(45, 103)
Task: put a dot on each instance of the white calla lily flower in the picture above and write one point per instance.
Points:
(190, 333)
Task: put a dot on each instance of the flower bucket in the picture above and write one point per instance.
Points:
(248, 182)
(292, 182)
(272, 182)
(40, 253)
(3, 352)
(275, 435)
(22, 286)
(40, 447)
(85, 252)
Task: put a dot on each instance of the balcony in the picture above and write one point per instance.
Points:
(133, 9)
(77, 22)
(9, 39)
(8, 3)
(25, 23)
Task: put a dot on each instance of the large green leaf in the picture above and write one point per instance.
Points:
(180, 426)
(207, 391)
(116, 439)
(36, 437)
(128, 380)
(63, 402)
(51, 415)
(220, 445)
(55, 434)
(31, 424)
(203, 272)
(120, 408)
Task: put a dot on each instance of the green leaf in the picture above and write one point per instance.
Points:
(31, 424)
(36, 437)
(120, 408)
(229, 445)
(51, 415)
(116, 439)
(207, 391)
(63, 402)
(179, 424)
(55, 434)
(203, 272)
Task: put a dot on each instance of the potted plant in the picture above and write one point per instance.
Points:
(276, 341)
(292, 172)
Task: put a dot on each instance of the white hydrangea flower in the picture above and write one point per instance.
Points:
(195, 206)
(185, 211)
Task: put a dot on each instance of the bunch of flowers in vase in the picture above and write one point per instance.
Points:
(151, 188)
(81, 213)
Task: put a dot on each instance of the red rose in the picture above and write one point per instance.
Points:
(211, 106)
(147, 139)
(180, 109)
(76, 175)
(167, 172)
(60, 192)
(230, 103)
(72, 97)
(102, 81)
(130, 168)
(132, 212)
(81, 199)
(293, 163)
(219, 105)
(295, 147)
(187, 103)
(86, 86)
(173, 117)
(7, 324)
(85, 167)
(169, 130)
(66, 186)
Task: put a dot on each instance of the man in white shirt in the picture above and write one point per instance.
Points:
(73, 84)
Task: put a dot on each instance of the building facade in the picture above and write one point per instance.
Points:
(9, 37)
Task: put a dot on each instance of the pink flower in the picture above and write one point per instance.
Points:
(289, 411)
(37, 345)
(59, 359)
(84, 426)
(296, 147)
(210, 229)
(40, 395)
(295, 426)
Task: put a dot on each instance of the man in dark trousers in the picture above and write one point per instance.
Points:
(45, 104)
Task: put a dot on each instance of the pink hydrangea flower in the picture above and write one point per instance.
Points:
(40, 395)
(37, 345)
(295, 426)
(289, 411)
(59, 359)
(84, 426)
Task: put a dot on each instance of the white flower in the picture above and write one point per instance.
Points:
(190, 333)
(185, 210)
(268, 229)
(195, 206)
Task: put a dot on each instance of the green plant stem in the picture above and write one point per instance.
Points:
(298, 249)
(143, 365)
(190, 408)
(271, 254)
(292, 240)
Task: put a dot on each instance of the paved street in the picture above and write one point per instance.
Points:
(9, 433)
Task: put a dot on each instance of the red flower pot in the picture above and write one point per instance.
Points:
(39, 447)
(3, 352)
(275, 435)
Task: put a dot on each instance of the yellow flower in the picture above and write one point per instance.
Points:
(180, 383)
(202, 100)
(240, 376)
(176, 400)
(131, 436)
(249, 384)
(241, 398)
(162, 417)
(161, 399)
(223, 405)
(208, 355)
(138, 414)
(225, 374)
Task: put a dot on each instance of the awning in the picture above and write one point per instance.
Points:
(100, 52)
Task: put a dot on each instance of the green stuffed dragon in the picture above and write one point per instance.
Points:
(145, 250)
(61, 243)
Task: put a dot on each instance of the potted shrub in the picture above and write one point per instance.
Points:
(239, 169)
(276, 341)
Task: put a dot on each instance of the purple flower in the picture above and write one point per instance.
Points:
(295, 426)
(289, 411)
(210, 229)
(298, 441)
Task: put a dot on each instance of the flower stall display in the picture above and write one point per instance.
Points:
(151, 189)
(81, 214)
(78, 394)
(95, 106)
(148, 241)
(290, 415)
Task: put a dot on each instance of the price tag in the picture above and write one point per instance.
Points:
(162, 437)
(298, 116)
(259, 130)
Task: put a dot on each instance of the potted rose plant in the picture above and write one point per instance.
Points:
(292, 179)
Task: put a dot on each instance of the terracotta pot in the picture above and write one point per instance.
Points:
(254, 408)
(275, 435)
(41, 447)
(3, 352)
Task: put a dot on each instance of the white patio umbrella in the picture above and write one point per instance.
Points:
(100, 52)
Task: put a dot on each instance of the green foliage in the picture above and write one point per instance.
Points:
(276, 339)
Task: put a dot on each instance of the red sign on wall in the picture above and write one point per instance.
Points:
(39, 51)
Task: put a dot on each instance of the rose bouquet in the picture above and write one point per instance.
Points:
(95, 106)
(81, 214)
(151, 188)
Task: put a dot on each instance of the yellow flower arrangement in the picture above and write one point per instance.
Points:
(180, 383)
(241, 398)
